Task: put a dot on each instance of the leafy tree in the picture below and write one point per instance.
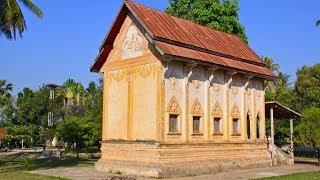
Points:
(6, 103)
(307, 87)
(307, 131)
(92, 137)
(5, 92)
(93, 115)
(80, 122)
(12, 19)
(72, 130)
(217, 14)
(17, 133)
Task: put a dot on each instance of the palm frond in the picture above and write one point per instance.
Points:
(12, 20)
(30, 5)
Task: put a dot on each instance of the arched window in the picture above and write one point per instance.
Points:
(217, 119)
(248, 126)
(258, 126)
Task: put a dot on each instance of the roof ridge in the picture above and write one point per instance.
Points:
(258, 60)
(154, 9)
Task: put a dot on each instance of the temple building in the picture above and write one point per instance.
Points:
(179, 98)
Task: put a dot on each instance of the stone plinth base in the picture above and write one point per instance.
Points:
(152, 159)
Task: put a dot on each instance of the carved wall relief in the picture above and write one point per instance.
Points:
(196, 84)
(196, 108)
(217, 110)
(235, 111)
(173, 81)
(234, 90)
(145, 71)
(132, 45)
(117, 75)
(173, 106)
(248, 92)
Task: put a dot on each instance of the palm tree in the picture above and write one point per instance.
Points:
(274, 67)
(72, 92)
(12, 19)
(270, 64)
(283, 80)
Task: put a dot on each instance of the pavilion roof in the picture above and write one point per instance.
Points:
(280, 111)
(184, 40)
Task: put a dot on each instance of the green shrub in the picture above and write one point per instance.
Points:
(28, 164)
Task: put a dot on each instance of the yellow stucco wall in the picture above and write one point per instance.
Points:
(139, 89)
(131, 76)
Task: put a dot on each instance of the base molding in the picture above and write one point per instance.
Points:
(165, 160)
(181, 169)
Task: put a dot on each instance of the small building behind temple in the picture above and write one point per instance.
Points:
(179, 98)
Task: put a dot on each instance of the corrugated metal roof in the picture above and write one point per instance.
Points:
(179, 51)
(178, 37)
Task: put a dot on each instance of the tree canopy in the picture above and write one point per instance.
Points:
(307, 87)
(12, 19)
(26, 116)
(217, 14)
(308, 129)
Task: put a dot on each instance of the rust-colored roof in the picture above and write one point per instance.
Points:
(181, 38)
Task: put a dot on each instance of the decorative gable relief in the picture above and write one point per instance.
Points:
(173, 106)
(217, 111)
(235, 111)
(196, 108)
(132, 45)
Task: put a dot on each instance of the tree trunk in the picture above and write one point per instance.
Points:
(318, 154)
(77, 149)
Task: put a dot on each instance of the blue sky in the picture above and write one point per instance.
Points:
(64, 43)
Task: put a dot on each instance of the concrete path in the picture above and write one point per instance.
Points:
(88, 173)
(257, 173)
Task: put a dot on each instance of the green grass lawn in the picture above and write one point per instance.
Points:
(18, 175)
(16, 166)
(296, 176)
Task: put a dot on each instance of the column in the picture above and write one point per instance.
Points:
(272, 126)
(291, 136)
(206, 122)
(187, 73)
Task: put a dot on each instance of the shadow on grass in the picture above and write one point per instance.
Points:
(29, 161)
(306, 162)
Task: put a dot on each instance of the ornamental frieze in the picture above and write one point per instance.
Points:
(143, 71)
(117, 75)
